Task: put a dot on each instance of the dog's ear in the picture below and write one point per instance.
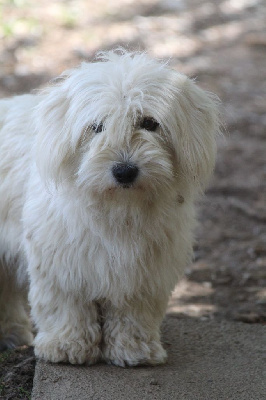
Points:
(197, 116)
(53, 137)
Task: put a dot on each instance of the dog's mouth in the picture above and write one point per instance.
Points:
(126, 186)
(121, 187)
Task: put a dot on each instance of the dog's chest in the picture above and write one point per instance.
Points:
(111, 267)
(116, 260)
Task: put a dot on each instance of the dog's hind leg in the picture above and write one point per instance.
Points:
(15, 326)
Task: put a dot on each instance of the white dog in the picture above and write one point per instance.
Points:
(98, 178)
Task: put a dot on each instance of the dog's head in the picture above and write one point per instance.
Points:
(124, 125)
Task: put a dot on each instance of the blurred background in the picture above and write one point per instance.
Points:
(222, 44)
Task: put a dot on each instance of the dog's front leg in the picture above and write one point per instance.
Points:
(131, 333)
(68, 328)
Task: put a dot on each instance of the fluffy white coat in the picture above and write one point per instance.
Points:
(101, 258)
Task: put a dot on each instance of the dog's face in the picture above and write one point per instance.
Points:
(126, 126)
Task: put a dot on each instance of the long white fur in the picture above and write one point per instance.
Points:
(101, 260)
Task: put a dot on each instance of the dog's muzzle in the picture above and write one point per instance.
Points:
(125, 174)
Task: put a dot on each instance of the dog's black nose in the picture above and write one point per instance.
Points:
(125, 174)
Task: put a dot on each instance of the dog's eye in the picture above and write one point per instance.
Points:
(149, 124)
(97, 128)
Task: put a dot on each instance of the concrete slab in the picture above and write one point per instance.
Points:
(208, 360)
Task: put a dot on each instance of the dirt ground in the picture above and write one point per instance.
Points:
(223, 44)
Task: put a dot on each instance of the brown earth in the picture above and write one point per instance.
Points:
(223, 45)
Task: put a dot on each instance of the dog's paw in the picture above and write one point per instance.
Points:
(16, 336)
(134, 352)
(75, 351)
